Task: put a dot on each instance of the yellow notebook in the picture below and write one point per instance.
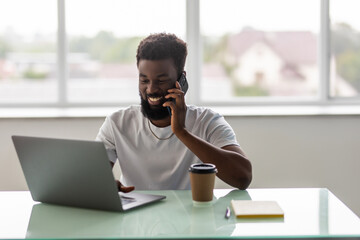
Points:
(256, 209)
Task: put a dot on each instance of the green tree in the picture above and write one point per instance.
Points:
(106, 47)
(33, 75)
(345, 44)
(214, 49)
(80, 44)
(250, 91)
(344, 38)
(348, 66)
(123, 50)
(101, 42)
(4, 47)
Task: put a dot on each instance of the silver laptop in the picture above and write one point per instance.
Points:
(73, 173)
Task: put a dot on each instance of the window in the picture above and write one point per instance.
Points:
(103, 38)
(250, 51)
(82, 53)
(345, 49)
(28, 70)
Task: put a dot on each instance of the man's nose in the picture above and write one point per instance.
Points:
(153, 87)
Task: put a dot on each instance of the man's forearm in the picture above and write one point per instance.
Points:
(233, 167)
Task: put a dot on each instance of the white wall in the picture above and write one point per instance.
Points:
(292, 151)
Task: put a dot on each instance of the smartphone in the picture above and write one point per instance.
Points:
(183, 83)
(184, 87)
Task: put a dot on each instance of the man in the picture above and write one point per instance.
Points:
(157, 142)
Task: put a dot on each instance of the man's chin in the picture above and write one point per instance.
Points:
(154, 112)
(155, 107)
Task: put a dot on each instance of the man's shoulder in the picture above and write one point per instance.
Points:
(127, 112)
(201, 111)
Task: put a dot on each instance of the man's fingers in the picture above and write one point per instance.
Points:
(122, 188)
(177, 85)
(126, 189)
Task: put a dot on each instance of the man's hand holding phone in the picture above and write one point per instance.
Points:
(177, 106)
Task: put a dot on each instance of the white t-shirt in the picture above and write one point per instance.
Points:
(151, 164)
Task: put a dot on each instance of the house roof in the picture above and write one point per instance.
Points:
(297, 47)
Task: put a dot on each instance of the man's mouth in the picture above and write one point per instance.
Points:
(155, 100)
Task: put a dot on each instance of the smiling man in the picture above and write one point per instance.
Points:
(157, 141)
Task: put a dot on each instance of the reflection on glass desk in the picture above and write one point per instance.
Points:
(309, 213)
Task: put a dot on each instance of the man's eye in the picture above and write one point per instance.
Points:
(163, 81)
(144, 81)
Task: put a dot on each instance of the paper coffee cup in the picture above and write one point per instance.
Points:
(202, 178)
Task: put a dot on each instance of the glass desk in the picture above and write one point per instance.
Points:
(309, 213)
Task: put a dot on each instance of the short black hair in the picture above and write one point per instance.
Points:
(160, 46)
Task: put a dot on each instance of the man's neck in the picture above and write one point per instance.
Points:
(161, 122)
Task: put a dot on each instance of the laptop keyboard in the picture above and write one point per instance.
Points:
(126, 199)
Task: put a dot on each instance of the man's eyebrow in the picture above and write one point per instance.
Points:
(142, 75)
(160, 75)
(163, 75)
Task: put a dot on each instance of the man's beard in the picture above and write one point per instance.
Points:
(155, 112)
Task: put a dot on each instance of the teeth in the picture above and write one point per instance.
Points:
(154, 99)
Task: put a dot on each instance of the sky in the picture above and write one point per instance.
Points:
(141, 17)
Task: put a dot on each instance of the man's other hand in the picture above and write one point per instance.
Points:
(122, 188)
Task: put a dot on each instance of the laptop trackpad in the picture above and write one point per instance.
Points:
(125, 199)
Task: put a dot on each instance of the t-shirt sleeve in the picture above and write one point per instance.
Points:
(220, 133)
(106, 136)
